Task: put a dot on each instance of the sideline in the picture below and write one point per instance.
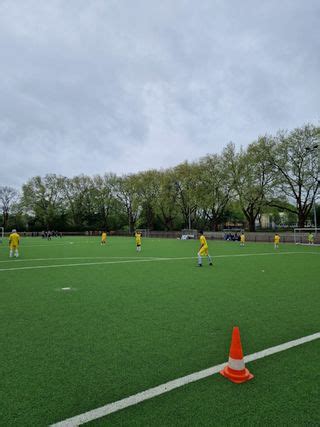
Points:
(82, 264)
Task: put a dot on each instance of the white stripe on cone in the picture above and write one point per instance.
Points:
(236, 364)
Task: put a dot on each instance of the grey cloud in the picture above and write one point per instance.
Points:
(90, 87)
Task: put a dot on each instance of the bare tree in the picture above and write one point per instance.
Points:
(8, 196)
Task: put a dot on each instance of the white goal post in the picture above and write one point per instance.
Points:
(306, 236)
(187, 234)
(1, 234)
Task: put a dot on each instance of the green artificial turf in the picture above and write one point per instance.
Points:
(127, 326)
(284, 392)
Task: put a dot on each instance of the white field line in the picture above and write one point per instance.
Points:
(171, 385)
(76, 257)
(48, 245)
(82, 264)
(149, 257)
(126, 261)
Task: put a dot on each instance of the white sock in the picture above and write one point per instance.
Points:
(11, 253)
(16, 253)
(199, 259)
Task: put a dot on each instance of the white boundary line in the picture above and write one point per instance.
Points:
(171, 385)
(137, 257)
(77, 257)
(22, 245)
(82, 264)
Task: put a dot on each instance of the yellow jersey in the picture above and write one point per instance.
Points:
(242, 238)
(138, 238)
(203, 242)
(276, 239)
(104, 236)
(14, 240)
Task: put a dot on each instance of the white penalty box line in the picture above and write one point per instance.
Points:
(171, 385)
(135, 260)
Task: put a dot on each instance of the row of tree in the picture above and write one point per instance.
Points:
(274, 173)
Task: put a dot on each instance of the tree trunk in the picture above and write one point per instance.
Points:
(214, 223)
(149, 217)
(252, 223)
(131, 223)
(301, 219)
(251, 218)
(168, 223)
(5, 218)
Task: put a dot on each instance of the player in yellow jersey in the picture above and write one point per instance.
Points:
(204, 250)
(276, 241)
(138, 240)
(14, 240)
(103, 238)
(310, 238)
(242, 239)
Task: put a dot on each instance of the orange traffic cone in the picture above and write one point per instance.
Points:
(236, 370)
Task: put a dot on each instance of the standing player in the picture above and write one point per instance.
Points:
(204, 250)
(103, 238)
(138, 240)
(14, 240)
(276, 241)
(242, 239)
(310, 239)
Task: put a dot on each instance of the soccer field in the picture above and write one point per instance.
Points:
(132, 321)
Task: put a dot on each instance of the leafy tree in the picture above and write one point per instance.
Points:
(252, 177)
(269, 176)
(166, 202)
(185, 176)
(125, 190)
(78, 198)
(42, 197)
(234, 214)
(213, 189)
(104, 200)
(295, 157)
(147, 188)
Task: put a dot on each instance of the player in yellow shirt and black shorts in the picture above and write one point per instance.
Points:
(138, 240)
(204, 250)
(14, 240)
(103, 238)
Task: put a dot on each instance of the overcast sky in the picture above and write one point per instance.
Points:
(121, 85)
